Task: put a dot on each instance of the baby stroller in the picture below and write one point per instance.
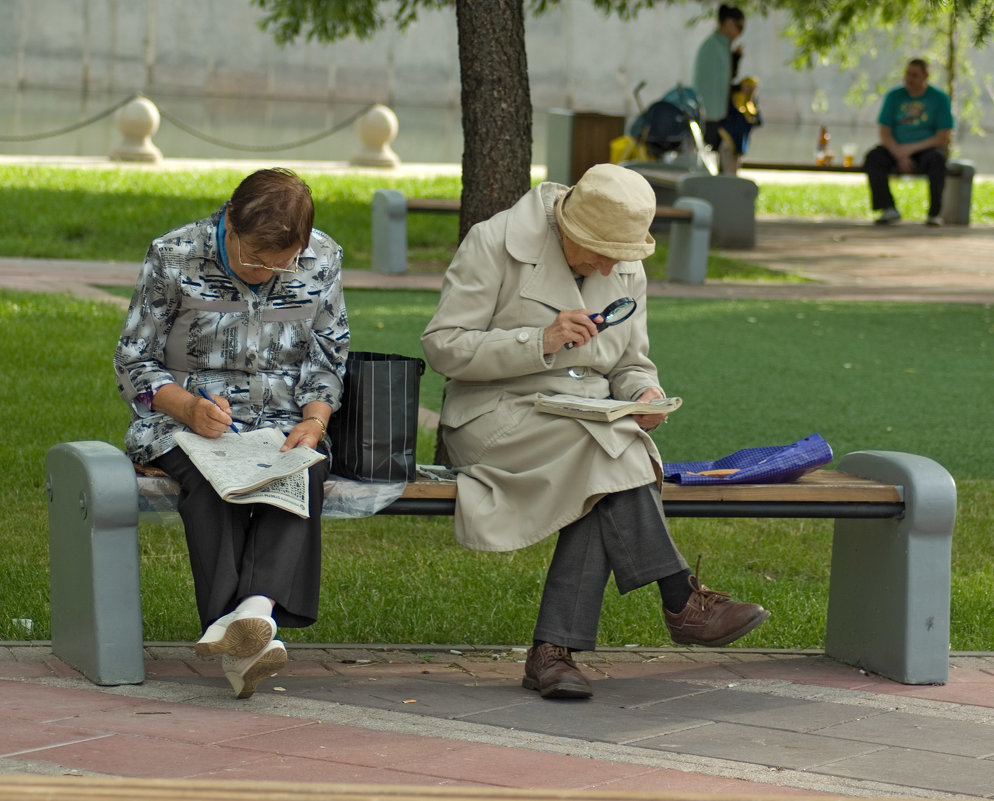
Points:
(668, 129)
(666, 124)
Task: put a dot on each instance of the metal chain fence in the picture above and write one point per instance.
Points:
(174, 120)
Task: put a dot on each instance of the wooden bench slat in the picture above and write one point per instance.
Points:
(798, 166)
(821, 486)
(444, 204)
(952, 167)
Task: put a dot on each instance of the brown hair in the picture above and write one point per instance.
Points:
(274, 209)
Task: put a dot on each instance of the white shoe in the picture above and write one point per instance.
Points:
(934, 220)
(238, 635)
(888, 216)
(245, 674)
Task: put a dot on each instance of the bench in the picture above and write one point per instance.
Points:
(956, 196)
(889, 593)
(686, 262)
(732, 199)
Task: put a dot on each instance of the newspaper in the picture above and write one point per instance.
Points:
(249, 468)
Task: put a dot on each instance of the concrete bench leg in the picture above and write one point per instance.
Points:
(93, 552)
(389, 251)
(733, 207)
(958, 192)
(687, 260)
(888, 607)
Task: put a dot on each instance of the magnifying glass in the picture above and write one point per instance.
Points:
(616, 312)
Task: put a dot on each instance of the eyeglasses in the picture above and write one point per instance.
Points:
(291, 267)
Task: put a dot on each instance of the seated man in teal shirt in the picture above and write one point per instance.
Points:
(916, 123)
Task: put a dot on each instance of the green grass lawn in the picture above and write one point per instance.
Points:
(863, 375)
(112, 214)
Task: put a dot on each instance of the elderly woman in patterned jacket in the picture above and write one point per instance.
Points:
(238, 320)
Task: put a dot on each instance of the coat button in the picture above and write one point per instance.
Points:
(523, 336)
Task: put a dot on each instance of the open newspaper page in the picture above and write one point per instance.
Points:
(605, 409)
(249, 467)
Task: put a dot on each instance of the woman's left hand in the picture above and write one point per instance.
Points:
(307, 432)
(310, 430)
(647, 422)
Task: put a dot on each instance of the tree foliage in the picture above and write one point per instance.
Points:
(854, 34)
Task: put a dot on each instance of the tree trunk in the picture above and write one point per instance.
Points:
(951, 54)
(496, 107)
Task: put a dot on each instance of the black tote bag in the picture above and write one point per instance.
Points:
(374, 435)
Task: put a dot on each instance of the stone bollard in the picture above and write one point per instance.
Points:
(377, 128)
(137, 121)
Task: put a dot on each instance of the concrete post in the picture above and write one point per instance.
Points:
(888, 606)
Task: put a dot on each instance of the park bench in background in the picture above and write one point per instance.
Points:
(688, 243)
(956, 197)
(888, 608)
(731, 197)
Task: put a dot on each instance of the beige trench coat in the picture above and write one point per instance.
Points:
(523, 474)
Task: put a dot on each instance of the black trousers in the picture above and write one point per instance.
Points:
(237, 550)
(930, 162)
(624, 533)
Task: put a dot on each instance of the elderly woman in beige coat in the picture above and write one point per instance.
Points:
(518, 318)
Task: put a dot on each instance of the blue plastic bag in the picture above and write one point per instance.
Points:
(773, 464)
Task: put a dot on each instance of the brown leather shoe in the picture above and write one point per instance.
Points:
(711, 618)
(551, 670)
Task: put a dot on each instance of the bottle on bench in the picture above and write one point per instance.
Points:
(822, 156)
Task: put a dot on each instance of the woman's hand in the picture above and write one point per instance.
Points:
(648, 422)
(209, 418)
(201, 416)
(570, 325)
(307, 432)
(310, 430)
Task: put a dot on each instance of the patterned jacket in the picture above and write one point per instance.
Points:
(269, 350)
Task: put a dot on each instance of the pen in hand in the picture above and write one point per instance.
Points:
(205, 394)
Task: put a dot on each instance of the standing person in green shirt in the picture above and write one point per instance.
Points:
(714, 70)
(915, 125)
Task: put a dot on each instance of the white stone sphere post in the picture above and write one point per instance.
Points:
(377, 128)
(137, 121)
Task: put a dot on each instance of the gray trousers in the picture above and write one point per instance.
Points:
(237, 550)
(625, 533)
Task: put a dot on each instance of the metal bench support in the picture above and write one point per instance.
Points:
(888, 607)
(93, 552)
(687, 260)
(958, 191)
(389, 252)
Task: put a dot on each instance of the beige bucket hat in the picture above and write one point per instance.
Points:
(609, 212)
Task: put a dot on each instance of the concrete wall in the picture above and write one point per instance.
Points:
(577, 58)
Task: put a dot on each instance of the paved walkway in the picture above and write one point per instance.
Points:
(842, 260)
(682, 721)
